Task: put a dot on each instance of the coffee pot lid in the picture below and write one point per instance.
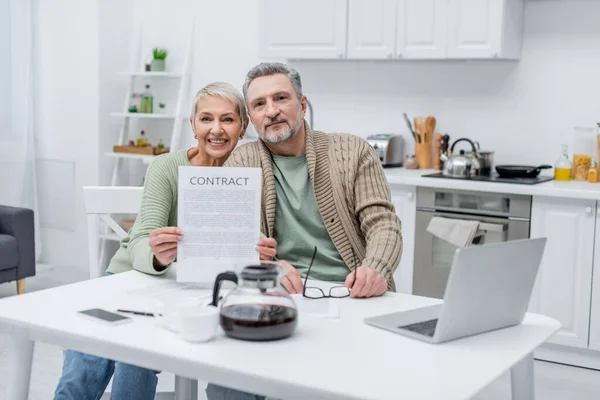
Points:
(260, 272)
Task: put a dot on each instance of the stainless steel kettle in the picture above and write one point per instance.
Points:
(461, 165)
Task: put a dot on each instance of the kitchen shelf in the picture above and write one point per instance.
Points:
(146, 158)
(142, 115)
(152, 74)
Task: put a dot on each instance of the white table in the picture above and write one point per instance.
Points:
(325, 358)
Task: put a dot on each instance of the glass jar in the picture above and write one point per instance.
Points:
(584, 149)
(147, 100)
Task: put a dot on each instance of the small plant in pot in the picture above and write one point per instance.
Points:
(158, 61)
(161, 108)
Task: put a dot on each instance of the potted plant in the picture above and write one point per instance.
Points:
(158, 61)
(161, 108)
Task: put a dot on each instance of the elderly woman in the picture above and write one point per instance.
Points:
(218, 120)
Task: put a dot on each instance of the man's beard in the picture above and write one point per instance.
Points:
(285, 136)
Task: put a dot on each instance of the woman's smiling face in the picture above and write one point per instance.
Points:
(217, 125)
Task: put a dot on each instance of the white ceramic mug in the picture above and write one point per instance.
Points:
(167, 312)
(199, 324)
(193, 319)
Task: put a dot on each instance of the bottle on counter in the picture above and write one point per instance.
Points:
(147, 100)
(563, 167)
(592, 176)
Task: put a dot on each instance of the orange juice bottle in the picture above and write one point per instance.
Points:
(563, 167)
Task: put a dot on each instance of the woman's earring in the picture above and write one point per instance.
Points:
(195, 136)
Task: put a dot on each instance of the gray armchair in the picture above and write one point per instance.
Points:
(17, 245)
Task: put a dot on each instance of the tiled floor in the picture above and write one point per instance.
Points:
(553, 381)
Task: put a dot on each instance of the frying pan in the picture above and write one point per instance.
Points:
(520, 171)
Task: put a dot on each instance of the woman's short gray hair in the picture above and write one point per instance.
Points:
(272, 68)
(225, 91)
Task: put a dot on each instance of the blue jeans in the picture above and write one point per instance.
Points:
(85, 377)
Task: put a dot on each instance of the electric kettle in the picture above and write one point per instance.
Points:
(258, 308)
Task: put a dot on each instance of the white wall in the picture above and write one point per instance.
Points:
(66, 108)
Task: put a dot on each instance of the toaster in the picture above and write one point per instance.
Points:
(389, 148)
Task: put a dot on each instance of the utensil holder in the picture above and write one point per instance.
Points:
(423, 154)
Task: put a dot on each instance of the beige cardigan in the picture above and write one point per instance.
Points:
(351, 192)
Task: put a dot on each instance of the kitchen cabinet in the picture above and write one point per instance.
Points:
(310, 29)
(372, 28)
(392, 29)
(595, 307)
(404, 200)
(564, 282)
(397, 29)
(421, 29)
(485, 28)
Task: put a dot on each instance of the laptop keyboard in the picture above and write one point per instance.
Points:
(426, 328)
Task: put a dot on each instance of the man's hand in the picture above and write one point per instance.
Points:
(163, 243)
(368, 283)
(292, 281)
(267, 248)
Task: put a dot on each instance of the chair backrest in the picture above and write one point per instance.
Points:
(100, 202)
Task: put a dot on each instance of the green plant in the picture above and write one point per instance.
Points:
(159, 54)
(161, 105)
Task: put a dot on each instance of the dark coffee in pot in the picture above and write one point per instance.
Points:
(258, 322)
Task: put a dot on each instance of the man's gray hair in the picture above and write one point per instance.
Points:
(272, 68)
(225, 91)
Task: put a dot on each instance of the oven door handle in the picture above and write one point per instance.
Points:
(486, 226)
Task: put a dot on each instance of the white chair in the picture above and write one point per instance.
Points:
(100, 202)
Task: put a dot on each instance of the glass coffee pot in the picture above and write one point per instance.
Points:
(258, 308)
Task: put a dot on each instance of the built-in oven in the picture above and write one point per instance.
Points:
(502, 217)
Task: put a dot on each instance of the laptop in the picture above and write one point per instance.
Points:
(489, 288)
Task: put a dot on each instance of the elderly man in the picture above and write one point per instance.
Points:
(323, 190)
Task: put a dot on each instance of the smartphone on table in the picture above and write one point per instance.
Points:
(106, 317)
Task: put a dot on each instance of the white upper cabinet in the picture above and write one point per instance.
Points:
(421, 29)
(485, 28)
(564, 282)
(372, 28)
(391, 29)
(306, 29)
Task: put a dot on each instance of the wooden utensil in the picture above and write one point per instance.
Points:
(419, 123)
(437, 162)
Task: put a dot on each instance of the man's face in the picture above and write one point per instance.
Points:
(274, 108)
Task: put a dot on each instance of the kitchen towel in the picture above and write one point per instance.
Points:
(459, 232)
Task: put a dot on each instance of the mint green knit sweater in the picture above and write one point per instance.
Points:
(158, 209)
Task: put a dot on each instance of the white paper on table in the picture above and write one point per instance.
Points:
(326, 307)
(218, 211)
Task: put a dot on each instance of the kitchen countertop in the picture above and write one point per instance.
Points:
(572, 189)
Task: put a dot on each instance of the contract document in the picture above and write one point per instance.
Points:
(218, 211)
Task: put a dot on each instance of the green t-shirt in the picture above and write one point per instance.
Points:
(298, 223)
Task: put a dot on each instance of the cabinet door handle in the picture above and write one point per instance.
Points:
(410, 195)
(588, 210)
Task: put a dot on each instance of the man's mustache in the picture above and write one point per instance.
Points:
(273, 121)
